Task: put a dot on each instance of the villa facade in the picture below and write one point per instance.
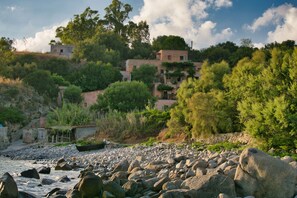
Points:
(173, 66)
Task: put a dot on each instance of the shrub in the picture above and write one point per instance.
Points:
(72, 94)
(69, 115)
(11, 115)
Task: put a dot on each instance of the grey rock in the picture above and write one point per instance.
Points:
(47, 181)
(210, 185)
(131, 188)
(262, 175)
(114, 188)
(122, 166)
(90, 185)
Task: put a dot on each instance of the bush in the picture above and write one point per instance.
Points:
(69, 115)
(72, 94)
(11, 115)
(124, 97)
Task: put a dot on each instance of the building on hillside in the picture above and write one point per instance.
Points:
(90, 98)
(64, 51)
(173, 66)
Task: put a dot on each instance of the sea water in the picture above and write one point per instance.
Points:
(29, 185)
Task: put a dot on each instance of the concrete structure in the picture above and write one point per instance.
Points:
(42, 135)
(64, 51)
(30, 135)
(70, 133)
(167, 75)
(4, 142)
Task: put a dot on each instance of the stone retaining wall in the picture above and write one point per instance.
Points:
(4, 142)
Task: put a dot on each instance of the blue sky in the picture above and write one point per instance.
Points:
(32, 23)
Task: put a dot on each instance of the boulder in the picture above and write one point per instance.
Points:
(31, 173)
(121, 166)
(210, 185)
(73, 193)
(63, 166)
(8, 187)
(44, 170)
(90, 185)
(178, 193)
(47, 181)
(114, 188)
(26, 195)
(133, 165)
(262, 175)
(64, 179)
(131, 188)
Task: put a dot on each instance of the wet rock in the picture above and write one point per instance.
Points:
(47, 181)
(31, 173)
(44, 170)
(8, 187)
(131, 188)
(64, 179)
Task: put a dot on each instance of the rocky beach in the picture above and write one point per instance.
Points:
(162, 170)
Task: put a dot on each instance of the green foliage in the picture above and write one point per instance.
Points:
(11, 115)
(124, 96)
(42, 82)
(146, 74)
(121, 125)
(59, 80)
(133, 124)
(69, 115)
(178, 64)
(223, 146)
(6, 55)
(95, 76)
(56, 66)
(83, 26)
(163, 87)
(150, 142)
(72, 94)
(169, 43)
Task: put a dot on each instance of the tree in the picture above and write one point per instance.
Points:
(169, 43)
(72, 94)
(56, 65)
(124, 96)
(6, 48)
(146, 74)
(116, 14)
(83, 26)
(42, 82)
(95, 76)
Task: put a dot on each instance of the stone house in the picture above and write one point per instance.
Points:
(173, 66)
(64, 51)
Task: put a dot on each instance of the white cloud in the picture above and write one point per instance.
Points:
(185, 18)
(223, 3)
(259, 45)
(38, 43)
(284, 20)
(11, 8)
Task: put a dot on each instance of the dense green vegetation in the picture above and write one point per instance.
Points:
(69, 115)
(258, 96)
(124, 97)
(146, 74)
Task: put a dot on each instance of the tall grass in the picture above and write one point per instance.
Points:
(133, 124)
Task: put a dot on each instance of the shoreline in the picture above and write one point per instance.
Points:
(156, 170)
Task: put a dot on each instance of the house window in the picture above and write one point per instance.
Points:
(134, 67)
(162, 71)
(61, 51)
(169, 57)
(181, 58)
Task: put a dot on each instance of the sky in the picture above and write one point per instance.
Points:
(32, 23)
